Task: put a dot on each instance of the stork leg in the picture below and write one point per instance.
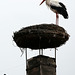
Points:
(57, 19)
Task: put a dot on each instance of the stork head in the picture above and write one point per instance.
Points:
(47, 2)
(42, 2)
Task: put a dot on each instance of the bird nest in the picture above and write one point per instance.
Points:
(41, 36)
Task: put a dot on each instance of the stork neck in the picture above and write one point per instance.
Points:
(48, 2)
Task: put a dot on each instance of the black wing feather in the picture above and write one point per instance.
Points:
(62, 5)
(60, 10)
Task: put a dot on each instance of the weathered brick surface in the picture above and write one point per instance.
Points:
(41, 65)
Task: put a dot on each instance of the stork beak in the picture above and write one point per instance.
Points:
(42, 2)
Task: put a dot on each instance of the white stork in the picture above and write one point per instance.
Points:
(57, 7)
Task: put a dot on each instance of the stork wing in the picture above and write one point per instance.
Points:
(62, 5)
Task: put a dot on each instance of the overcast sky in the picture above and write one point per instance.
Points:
(15, 14)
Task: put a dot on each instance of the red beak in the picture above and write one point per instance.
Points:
(42, 2)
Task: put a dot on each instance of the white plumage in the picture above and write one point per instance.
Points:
(57, 7)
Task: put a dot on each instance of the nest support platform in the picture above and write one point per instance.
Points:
(41, 36)
(41, 65)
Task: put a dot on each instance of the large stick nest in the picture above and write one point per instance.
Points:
(41, 36)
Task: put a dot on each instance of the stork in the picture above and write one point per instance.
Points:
(57, 7)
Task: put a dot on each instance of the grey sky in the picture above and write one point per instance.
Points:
(15, 14)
